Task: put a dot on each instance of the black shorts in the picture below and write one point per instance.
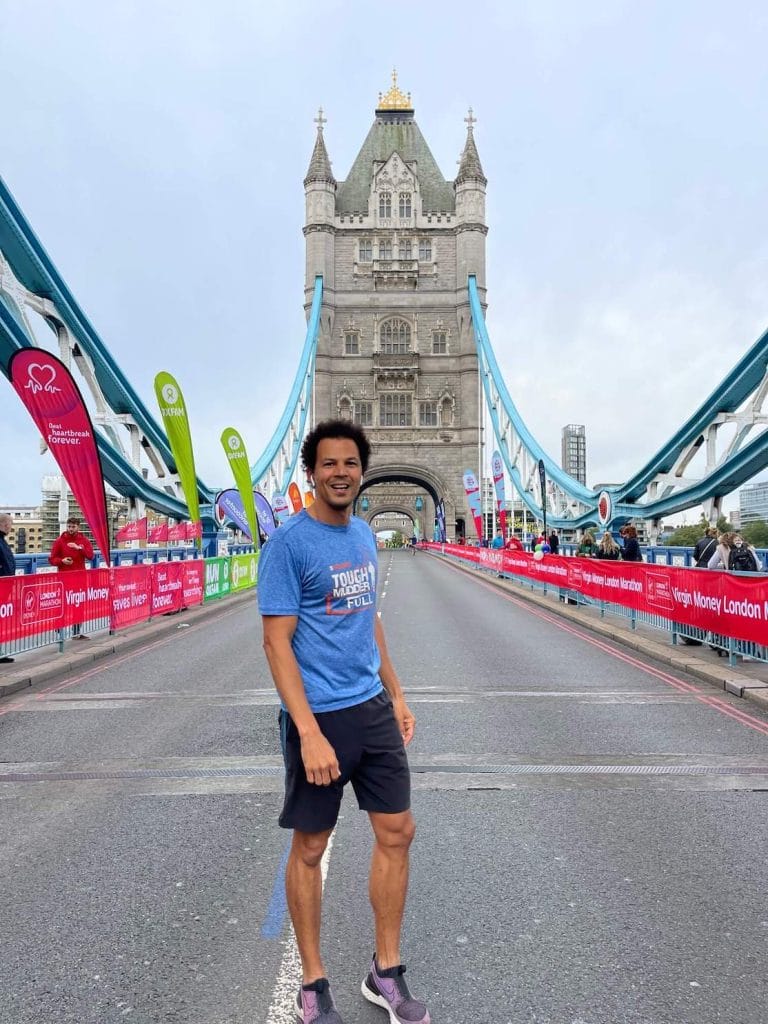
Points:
(371, 756)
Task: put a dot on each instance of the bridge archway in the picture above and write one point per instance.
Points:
(408, 490)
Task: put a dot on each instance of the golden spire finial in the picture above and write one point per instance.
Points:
(395, 99)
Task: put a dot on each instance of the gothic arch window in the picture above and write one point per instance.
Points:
(395, 336)
(385, 204)
(405, 204)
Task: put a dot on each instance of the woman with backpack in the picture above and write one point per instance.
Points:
(722, 555)
(743, 556)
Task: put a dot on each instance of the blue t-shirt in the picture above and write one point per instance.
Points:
(326, 576)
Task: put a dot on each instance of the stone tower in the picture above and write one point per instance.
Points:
(394, 243)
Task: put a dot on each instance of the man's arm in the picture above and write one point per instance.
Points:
(87, 548)
(56, 556)
(403, 714)
(319, 757)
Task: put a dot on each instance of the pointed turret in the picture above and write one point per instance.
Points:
(470, 168)
(470, 211)
(320, 207)
(319, 165)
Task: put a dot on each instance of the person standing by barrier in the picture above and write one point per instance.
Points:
(705, 548)
(326, 650)
(554, 543)
(7, 562)
(69, 553)
(722, 553)
(587, 548)
(608, 548)
(631, 551)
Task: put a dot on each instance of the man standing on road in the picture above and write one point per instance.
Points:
(70, 552)
(7, 561)
(326, 650)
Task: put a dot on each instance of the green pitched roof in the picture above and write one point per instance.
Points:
(390, 135)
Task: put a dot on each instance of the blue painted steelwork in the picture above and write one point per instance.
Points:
(36, 271)
(290, 429)
(739, 464)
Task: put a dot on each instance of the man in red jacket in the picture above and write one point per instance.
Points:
(71, 551)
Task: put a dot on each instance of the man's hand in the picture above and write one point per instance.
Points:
(320, 761)
(67, 560)
(406, 722)
(73, 545)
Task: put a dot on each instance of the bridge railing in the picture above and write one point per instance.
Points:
(40, 609)
(727, 610)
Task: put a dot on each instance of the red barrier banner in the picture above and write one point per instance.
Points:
(167, 587)
(49, 601)
(194, 531)
(722, 602)
(193, 582)
(135, 530)
(131, 595)
(51, 397)
(177, 532)
(158, 534)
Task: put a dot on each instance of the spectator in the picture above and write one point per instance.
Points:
(608, 548)
(631, 551)
(498, 540)
(587, 548)
(69, 553)
(722, 554)
(705, 548)
(554, 543)
(514, 543)
(743, 557)
(7, 562)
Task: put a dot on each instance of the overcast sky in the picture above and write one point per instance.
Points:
(158, 150)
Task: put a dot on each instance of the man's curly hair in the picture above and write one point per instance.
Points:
(334, 429)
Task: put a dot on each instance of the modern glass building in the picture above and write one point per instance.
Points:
(753, 503)
(574, 451)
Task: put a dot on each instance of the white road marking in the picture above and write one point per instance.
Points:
(282, 1009)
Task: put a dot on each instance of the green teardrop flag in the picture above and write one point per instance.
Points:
(174, 413)
(234, 448)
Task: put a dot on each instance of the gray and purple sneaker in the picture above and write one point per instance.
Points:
(389, 990)
(315, 1005)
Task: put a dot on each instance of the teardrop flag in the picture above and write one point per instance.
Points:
(295, 496)
(237, 456)
(472, 489)
(53, 400)
(174, 413)
(497, 467)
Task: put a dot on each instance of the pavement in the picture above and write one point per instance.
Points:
(47, 664)
(748, 680)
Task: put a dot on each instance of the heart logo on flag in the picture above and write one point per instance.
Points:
(41, 378)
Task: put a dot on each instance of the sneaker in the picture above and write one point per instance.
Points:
(81, 636)
(6, 660)
(315, 1005)
(389, 990)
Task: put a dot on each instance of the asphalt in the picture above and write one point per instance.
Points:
(47, 664)
(748, 680)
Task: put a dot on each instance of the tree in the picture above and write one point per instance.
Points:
(756, 534)
(723, 525)
(685, 536)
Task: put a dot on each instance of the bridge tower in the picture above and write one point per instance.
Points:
(395, 242)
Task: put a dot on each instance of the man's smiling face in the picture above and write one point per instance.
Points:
(337, 474)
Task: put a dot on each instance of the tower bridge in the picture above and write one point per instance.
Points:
(396, 340)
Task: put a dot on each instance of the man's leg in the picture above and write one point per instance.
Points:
(304, 892)
(388, 883)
